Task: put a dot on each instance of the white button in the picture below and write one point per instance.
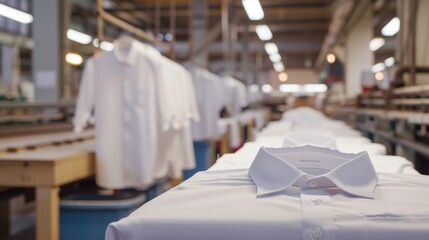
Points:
(317, 233)
(313, 183)
(316, 201)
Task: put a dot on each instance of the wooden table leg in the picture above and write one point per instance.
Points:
(47, 213)
(4, 218)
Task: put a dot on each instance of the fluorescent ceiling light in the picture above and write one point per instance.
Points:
(105, 45)
(378, 67)
(264, 32)
(15, 14)
(254, 88)
(289, 88)
(271, 48)
(392, 27)
(376, 43)
(315, 88)
(389, 61)
(253, 9)
(305, 88)
(275, 57)
(74, 59)
(266, 88)
(78, 36)
(279, 67)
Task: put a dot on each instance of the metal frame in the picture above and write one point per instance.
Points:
(105, 16)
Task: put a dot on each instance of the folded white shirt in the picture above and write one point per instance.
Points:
(293, 193)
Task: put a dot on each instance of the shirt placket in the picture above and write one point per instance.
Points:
(126, 121)
(317, 213)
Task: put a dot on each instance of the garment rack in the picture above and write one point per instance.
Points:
(105, 16)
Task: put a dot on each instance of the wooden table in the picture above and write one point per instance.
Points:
(46, 169)
(9, 144)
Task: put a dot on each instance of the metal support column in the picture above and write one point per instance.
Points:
(226, 34)
(198, 32)
(245, 56)
(48, 57)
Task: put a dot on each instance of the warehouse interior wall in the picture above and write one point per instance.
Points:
(359, 58)
(295, 76)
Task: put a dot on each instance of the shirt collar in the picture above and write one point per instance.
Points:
(273, 169)
(130, 55)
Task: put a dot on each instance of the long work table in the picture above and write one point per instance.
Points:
(46, 169)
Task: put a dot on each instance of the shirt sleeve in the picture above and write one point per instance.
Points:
(85, 100)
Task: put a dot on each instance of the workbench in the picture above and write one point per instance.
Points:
(46, 169)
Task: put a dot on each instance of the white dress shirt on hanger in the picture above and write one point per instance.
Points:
(125, 87)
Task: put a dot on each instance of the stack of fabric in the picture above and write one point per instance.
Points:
(296, 181)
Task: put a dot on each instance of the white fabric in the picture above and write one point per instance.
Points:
(232, 124)
(235, 93)
(245, 155)
(271, 140)
(295, 139)
(371, 148)
(126, 89)
(274, 170)
(344, 201)
(177, 94)
(259, 118)
(209, 92)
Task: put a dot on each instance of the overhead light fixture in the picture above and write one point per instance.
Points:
(279, 67)
(79, 37)
(303, 88)
(315, 88)
(253, 9)
(283, 77)
(74, 59)
(392, 27)
(379, 76)
(105, 45)
(290, 88)
(389, 61)
(378, 67)
(264, 32)
(254, 88)
(266, 88)
(275, 57)
(271, 48)
(376, 43)
(15, 14)
(330, 58)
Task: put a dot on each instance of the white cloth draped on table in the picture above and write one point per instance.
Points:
(287, 193)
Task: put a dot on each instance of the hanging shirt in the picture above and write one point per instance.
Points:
(235, 93)
(123, 87)
(296, 194)
(209, 93)
(177, 95)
